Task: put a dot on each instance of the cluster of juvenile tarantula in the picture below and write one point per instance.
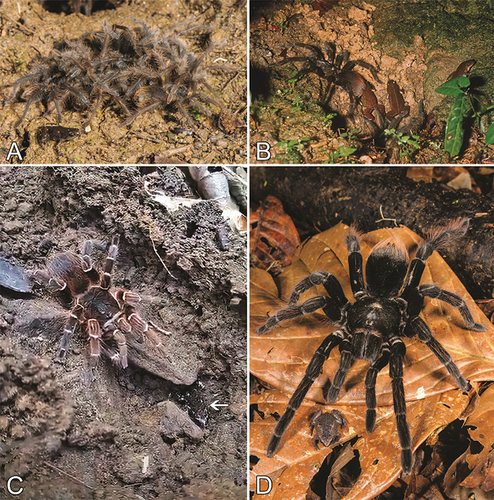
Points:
(135, 69)
(386, 310)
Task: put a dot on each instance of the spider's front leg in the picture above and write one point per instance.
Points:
(310, 306)
(311, 373)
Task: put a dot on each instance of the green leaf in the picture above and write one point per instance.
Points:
(489, 136)
(455, 86)
(454, 127)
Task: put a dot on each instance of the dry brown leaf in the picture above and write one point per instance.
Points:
(273, 237)
(280, 358)
(482, 421)
(456, 177)
(379, 451)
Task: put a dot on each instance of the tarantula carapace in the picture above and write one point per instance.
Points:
(337, 69)
(386, 309)
(106, 314)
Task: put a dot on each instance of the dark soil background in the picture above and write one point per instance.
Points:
(28, 32)
(147, 431)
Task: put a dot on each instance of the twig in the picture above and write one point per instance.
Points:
(158, 255)
(382, 219)
(68, 475)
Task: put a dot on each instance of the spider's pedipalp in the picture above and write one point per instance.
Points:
(346, 358)
(95, 333)
(68, 332)
(122, 347)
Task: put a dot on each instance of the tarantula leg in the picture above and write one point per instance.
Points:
(399, 405)
(68, 332)
(435, 292)
(331, 393)
(310, 306)
(129, 298)
(110, 260)
(370, 387)
(94, 331)
(89, 270)
(122, 347)
(417, 326)
(330, 283)
(355, 262)
(368, 66)
(436, 240)
(311, 373)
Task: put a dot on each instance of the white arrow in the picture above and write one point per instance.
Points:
(215, 405)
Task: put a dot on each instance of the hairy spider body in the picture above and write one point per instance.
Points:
(106, 315)
(337, 70)
(386, 309)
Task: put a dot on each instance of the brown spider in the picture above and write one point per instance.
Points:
(103, 313)
(337, 69)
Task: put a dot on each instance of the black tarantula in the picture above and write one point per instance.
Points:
(103, 313)
(386, 309)
(335, 69)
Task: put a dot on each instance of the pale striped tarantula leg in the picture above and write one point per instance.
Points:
(68, 332)
(94, 331)
(110, 260)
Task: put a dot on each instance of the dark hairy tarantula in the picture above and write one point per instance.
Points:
(135, 69)
(336, 70)
(105, 314)
(386, 309)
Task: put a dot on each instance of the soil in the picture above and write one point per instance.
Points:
(29, 32)
(147, 431)
(416, 44)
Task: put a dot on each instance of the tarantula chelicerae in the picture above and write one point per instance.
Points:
(103, 313)
(386, 309)
(336, 70)
(135, 69)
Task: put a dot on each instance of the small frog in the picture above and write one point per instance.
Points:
(462, 70)
(326, 427)
(56, 133)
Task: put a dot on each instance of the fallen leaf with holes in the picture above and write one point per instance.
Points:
(281, 356)
(481, 422)
(273, 236)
